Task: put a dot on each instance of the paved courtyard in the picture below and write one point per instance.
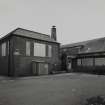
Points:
(61, 89)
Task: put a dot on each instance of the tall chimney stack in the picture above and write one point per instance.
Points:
(53, 33)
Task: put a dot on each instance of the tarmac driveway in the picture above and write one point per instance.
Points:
(61, 89)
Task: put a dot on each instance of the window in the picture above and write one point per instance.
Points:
(78, 62)
(49, 51)
(3, 49)
(39, 49)
(8, 47)
(87, 62)
(99, 61)
(27, 48)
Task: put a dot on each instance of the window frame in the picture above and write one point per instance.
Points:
(28, 48)
(3, 49)
(38, 45)
(49, 50)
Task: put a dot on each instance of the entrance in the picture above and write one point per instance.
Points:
(42, 68)
(39, 68)
(69, 63)
(34, 68)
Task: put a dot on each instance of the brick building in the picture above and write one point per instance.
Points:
(24, 52)
(87, 56)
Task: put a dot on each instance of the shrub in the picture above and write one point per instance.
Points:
(98, 100)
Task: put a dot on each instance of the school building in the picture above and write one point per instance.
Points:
(86, 56)
(24, 52)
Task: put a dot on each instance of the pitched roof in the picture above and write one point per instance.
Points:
(30, 34)
(76, 44)
(90, 46)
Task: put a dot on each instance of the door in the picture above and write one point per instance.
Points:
(34, 68)
(69, 63)
(69, 66)
(42, 68)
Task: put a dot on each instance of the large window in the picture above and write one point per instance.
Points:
(90, 61)
(39, 49)
(27, 48)
(49, 51)
(3, 49)
(87, 62)
(99, 61)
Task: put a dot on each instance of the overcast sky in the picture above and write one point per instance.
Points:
(76, 20)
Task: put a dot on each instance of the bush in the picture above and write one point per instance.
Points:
(98, 100)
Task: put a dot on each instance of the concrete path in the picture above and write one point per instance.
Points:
(61, 89)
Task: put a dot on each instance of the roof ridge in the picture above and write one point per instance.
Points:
(32, 31)
(38, 36)
(86, 41)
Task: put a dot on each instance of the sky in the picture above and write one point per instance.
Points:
(75, 20)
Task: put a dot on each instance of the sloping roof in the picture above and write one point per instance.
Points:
(30, 34)
(76, 44)
(90, 46)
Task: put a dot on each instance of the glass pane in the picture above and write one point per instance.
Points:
(79, 62)
(3, 49)
(39, 49)
(99, 61)
(27, 48)
(49, 50)
(87, 62)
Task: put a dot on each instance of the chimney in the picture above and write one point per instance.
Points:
(53, 33)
